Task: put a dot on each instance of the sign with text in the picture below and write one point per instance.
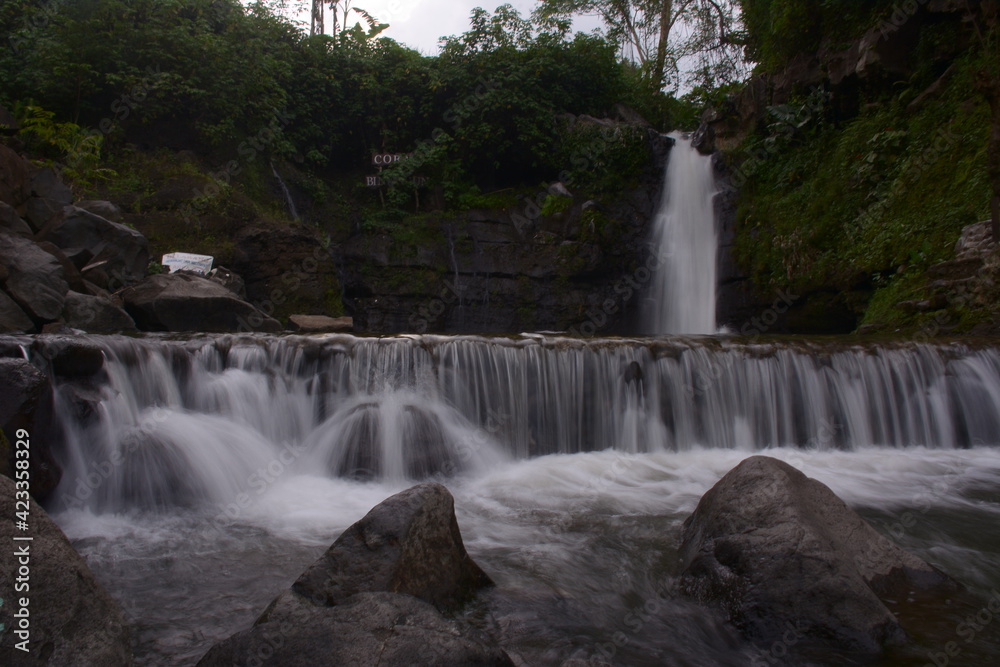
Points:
(385, 159)
(377, 181)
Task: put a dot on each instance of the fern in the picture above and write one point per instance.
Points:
(79, 150)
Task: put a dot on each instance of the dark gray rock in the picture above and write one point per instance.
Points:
(70, 272)
(22, 387)
(105, 209)
(409, 543)
(12, 318)
(368, 629)
(321, 324)
(73, 620)
(231, 280)
(358, 604)
(70, 356)
(48, 197)
(35, 278)
(12, 223)
(123, 251)
(13, 179)
(94, 314)
(777, 550)
(26, 403)
(185, 302)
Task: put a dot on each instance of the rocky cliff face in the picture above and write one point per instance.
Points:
(833, 84)
(555, 261)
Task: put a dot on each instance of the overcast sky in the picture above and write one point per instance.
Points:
(421, 23)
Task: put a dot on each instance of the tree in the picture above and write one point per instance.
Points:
(660, 34)
(317, 23)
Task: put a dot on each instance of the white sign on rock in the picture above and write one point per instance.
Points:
(186, 261)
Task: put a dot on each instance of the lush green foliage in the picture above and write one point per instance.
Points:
(868, 205)
(778, 30)
(77, 150)
(234, 81)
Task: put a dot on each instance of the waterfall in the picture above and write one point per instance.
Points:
(682, 293)
(289, 202)
(190, 421)
(573, 464)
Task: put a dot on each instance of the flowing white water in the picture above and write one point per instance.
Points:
(583, 547)
(186, 422)
(682, 294)
(214, 470)
(286, 193)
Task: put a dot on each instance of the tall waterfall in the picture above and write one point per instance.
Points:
(683, 289)
(192, 420)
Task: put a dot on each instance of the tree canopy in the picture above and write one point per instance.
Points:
(665, 37)
(208, 74)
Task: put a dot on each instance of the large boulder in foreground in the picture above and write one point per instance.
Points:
(409, 543)
(186, 302)
(781, 553)
(72, 620)
(375, 597)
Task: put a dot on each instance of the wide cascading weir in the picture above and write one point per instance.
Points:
(178, 422)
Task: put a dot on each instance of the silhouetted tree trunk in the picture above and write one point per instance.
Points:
(316, 20)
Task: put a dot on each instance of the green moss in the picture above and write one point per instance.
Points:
(556, 204)
(882, 311)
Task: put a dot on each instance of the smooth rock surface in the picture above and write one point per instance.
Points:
(26, 403)
(11, 222)
(124, 251)
(778, 550)
(13, 179)
(35, 278)
(409, 543)
(49, 194)
(185, 302)
(94, 314)
(358, 604)
(12, 318)
(105, 209)
(73, 620)
(321, 324)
